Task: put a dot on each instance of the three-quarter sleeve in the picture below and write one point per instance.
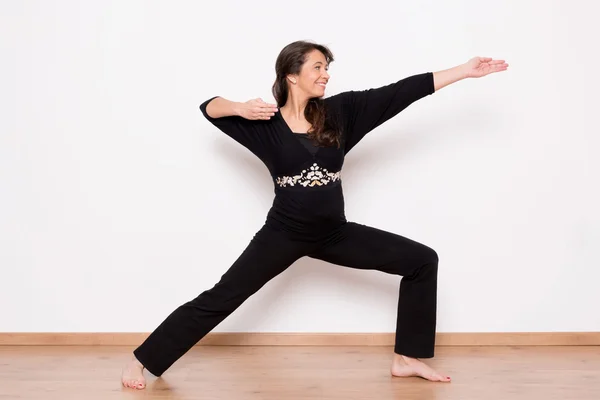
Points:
(365, 110)
(242, 130)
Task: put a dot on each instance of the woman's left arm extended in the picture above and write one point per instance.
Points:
(364, 110)
(476, 67)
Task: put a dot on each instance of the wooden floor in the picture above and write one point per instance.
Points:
(282, 373)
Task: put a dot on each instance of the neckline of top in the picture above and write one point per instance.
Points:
(296, 136)
(288, 127)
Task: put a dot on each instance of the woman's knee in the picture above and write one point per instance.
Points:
(428, 261)
(421, 259)
(430, 256)
(426, 265)
(423, 255)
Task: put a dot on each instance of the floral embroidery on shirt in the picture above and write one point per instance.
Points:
(316, 176)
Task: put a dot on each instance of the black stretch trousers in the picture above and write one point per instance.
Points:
(270, 252)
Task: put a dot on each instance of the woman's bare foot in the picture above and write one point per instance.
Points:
(405, 366)
(133, 376)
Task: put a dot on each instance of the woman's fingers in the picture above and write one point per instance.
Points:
(269, 107)
(262, 106)
(262, 110)
(266, 105)
(263, 115)
(267, 111)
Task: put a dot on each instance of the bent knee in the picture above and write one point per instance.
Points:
(430, 256)
(427, 264)
(433, 257)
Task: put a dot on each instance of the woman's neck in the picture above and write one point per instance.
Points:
(294, 107)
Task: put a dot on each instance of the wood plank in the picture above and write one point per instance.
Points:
(308, 339)
(302, 373)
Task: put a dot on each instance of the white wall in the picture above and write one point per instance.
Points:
(119, 201)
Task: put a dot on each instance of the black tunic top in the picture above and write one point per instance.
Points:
(308, 192)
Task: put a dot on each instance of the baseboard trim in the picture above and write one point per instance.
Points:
(307, 339)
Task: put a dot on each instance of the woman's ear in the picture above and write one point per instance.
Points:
(291, 79)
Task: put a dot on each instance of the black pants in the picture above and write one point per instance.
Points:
(270, 252)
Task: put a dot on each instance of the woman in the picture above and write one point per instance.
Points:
(303, 144)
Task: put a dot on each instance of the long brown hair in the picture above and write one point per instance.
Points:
(290, 61)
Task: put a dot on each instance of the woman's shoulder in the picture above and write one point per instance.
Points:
(336, 102)
(336, 99)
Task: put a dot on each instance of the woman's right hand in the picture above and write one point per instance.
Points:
(257, 109)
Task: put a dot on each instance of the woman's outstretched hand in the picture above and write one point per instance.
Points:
(257, 109)
(477, 67)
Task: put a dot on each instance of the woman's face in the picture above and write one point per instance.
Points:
(313, 75)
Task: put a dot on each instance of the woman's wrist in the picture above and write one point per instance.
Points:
(237, 108)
